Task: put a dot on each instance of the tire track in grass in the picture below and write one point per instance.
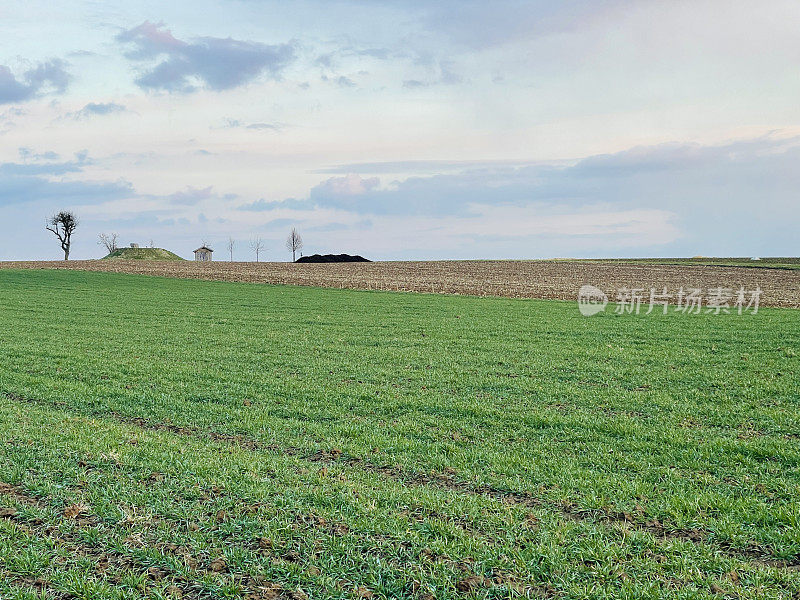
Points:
(754, 553)
(10, 514)
(571, 511)
(568, 510)
(469, 584)
(254, 588)
(69, 541)
(464, 581)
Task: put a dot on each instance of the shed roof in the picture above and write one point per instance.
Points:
(204, 248)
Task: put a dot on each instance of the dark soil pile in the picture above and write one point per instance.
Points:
(331, 258)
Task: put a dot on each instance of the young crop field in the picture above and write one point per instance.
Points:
(179, 438)
(544, 279)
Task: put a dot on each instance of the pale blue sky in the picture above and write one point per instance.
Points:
(403, 129)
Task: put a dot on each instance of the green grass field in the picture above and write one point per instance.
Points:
(165, 438)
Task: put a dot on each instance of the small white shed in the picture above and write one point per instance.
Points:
(203, 254)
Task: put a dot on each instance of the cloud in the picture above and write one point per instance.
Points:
(7, 122)
(41, 164)
(325, 60)
(81, 53)
(480, 25)
(191, 196)
(237, 124)
(343, 187)
(690, 176)
(213, 63)
(44, 182)
(46, 77)
(28, 154)
(379, 53)
(423, 166)
(329, 227)
(335, 192)
(262, 205)
(441, 73)
(341, 81)
(733, 199)
(97, 109)
(261, 126)
(330, 59)
(14, 111)
(29, 170)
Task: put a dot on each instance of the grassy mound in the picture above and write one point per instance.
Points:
(142, 254)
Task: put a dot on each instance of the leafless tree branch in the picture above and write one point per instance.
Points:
(257, 245)
(109, 240)
(294, 243)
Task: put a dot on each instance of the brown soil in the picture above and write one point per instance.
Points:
(559, 280)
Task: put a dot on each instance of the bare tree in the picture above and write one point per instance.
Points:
(231, 246)
(63, 225)
(109, 240)
(294, 243)
(257, 245)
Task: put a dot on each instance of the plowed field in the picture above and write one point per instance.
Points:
(513, 279)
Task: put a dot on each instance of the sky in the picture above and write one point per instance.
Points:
(397, 130)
